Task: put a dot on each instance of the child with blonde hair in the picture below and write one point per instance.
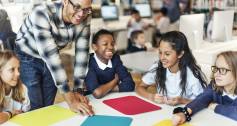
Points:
(13, 94)
(220, 95)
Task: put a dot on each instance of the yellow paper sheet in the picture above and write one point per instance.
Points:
(168, 122)
(43, 117)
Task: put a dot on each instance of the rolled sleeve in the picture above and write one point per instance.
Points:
(150, 77)
(82, 55)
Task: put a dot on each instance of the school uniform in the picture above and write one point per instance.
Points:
(100, 73)
(132, 47)
(193, 86)
(227, 104)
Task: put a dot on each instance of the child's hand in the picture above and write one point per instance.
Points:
(16, 112)
(174, 101)
(178, 118)
(212, 106)
(158, 98)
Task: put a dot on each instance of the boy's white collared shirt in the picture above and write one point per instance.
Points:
(138, 46)
(102, 65)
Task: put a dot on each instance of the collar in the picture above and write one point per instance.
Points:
(172, 74)
(232, 96)
(102, 65)
(138, 46)
(57, 13)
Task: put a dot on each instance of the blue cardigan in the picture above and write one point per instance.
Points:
(132, 48)
(226, 106)
(96, 77)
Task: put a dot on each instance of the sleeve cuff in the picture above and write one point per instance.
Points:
(78, 86)
(217, 108)
(64, 87)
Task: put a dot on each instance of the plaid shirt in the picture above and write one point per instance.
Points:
(44, 33)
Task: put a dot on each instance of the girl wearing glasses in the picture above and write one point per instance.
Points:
(176, 75)
(220, 95)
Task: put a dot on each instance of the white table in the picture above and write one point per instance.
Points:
(204, 118)
(140, 61)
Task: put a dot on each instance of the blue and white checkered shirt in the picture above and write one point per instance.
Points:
(44, 33)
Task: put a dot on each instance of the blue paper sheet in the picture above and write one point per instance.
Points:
(103, 120)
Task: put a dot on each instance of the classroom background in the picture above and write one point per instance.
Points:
(210, 26)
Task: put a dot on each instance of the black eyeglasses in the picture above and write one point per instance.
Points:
(77, 8)
(222, 71)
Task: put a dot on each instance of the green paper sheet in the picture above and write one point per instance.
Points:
(168, 122)
(43, 117)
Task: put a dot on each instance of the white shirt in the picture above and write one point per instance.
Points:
(163, 24)
(102, 65)
(15, 105)
(172, 83)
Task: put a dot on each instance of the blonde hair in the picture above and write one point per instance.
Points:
(231, 59)
(17, 91)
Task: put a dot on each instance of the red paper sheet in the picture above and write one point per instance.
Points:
(131, 105)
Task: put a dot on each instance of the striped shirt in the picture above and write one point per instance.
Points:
(44, 33)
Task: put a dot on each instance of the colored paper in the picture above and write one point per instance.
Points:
(131, 105)
(168, 122)
(43, 117)
(102, 120)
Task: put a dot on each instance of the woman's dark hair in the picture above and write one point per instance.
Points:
(99, 33)
(179, 43)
